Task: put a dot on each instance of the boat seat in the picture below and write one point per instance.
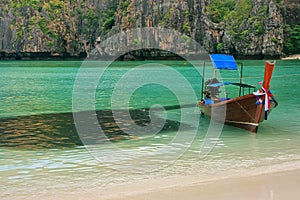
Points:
(209, 101)
(224, 99)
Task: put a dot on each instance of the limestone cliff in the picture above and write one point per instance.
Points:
(258, 33)
(61, 28)
(66, 28)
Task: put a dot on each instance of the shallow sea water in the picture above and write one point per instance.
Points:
(41, 151)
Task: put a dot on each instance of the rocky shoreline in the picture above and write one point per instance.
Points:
(132, 56)
(40, 56)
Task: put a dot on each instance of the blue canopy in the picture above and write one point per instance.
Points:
(222, 61)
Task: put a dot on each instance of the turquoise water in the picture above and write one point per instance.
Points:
(40, 149)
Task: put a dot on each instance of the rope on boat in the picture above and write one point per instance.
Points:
(245, 110)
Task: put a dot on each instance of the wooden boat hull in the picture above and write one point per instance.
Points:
(241, 112)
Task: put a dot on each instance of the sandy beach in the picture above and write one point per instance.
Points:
(292, 57)
(282, 185)
(270, 186)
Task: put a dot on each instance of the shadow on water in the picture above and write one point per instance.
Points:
(59, 131)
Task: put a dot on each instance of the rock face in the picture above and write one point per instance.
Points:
(291, 12)
(53, 27)
(259, 34)
(74, 28)
(6, 33)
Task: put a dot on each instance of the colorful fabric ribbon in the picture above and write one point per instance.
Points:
(268, 96)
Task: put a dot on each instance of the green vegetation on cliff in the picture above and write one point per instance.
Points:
(219, 9)
(61, 26)
(245, 27)
(229, 10)
(292, 43)
(244, 19)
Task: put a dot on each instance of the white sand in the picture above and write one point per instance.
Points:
(272, 186)
(265, 187)
(274, 182)
(292, 57)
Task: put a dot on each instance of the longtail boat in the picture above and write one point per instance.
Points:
(245, 111)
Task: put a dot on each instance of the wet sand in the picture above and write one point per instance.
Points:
(271, 186)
